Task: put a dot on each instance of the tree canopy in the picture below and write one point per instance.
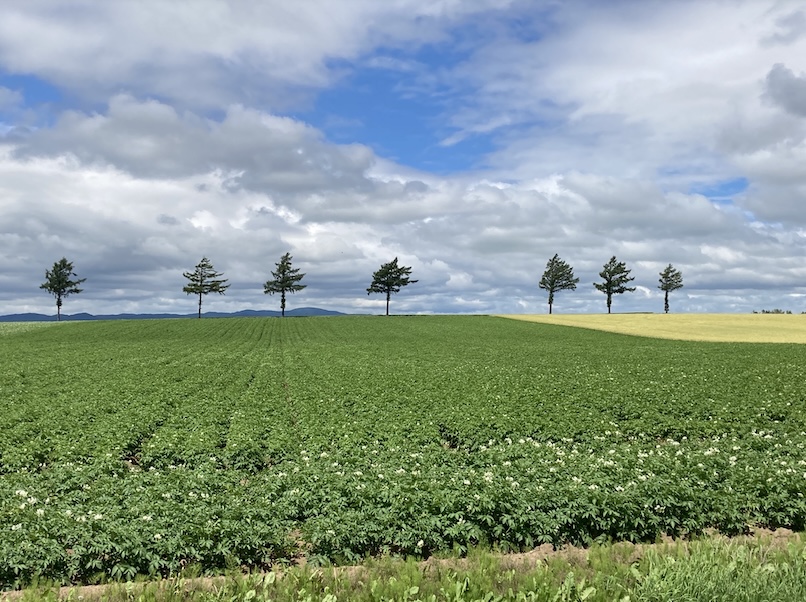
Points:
(615, 277)
(390, 278)
(203, 280)
(286, 279)
(670, 280)
(59, 283)
(559, 276)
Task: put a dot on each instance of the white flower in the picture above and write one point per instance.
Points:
(97, 516)
(157, 536)
(16, 527)
(146, 518)
(466, 481)
(21, 493)
(40, 512)
(420, 543)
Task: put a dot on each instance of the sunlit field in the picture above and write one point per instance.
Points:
(144, 448)
(727, 328)
(7, 328)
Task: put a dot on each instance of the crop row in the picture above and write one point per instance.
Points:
(145, 447)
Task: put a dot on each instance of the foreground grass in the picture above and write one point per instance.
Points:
(725, 328)
(744, 569)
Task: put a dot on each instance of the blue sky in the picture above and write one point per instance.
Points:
(473, 140)
(384, 109)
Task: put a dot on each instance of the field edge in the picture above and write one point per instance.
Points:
(716, 328)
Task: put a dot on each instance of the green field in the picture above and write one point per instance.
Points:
(146, 447)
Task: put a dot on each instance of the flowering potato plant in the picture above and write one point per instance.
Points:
(152, 447)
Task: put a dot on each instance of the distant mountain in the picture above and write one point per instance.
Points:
(297, 312)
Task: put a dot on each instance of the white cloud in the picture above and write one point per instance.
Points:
(787, 89)
(211, 53)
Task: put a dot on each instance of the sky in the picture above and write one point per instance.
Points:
(471, 139)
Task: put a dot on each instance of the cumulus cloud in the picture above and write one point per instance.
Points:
(212, 52)
(787, 90)
(789, 28)
(252, 149)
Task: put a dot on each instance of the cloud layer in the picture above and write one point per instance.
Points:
(642, 131)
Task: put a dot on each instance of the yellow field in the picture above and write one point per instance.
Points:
(748, 328)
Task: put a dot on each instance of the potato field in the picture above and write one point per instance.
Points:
(147, 447)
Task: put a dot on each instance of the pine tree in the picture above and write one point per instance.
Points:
(616, 276)
(203, 280)
(390, 278)
(670, 280)
(559, 276)
(58, 283)
(286, 279)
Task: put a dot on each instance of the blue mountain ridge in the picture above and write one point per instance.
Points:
(262, 313)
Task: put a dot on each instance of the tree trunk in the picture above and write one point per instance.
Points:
(388, 294)
(609, 302)
(666, 302)
(282, 304)
(549, 308)
(200, 302)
